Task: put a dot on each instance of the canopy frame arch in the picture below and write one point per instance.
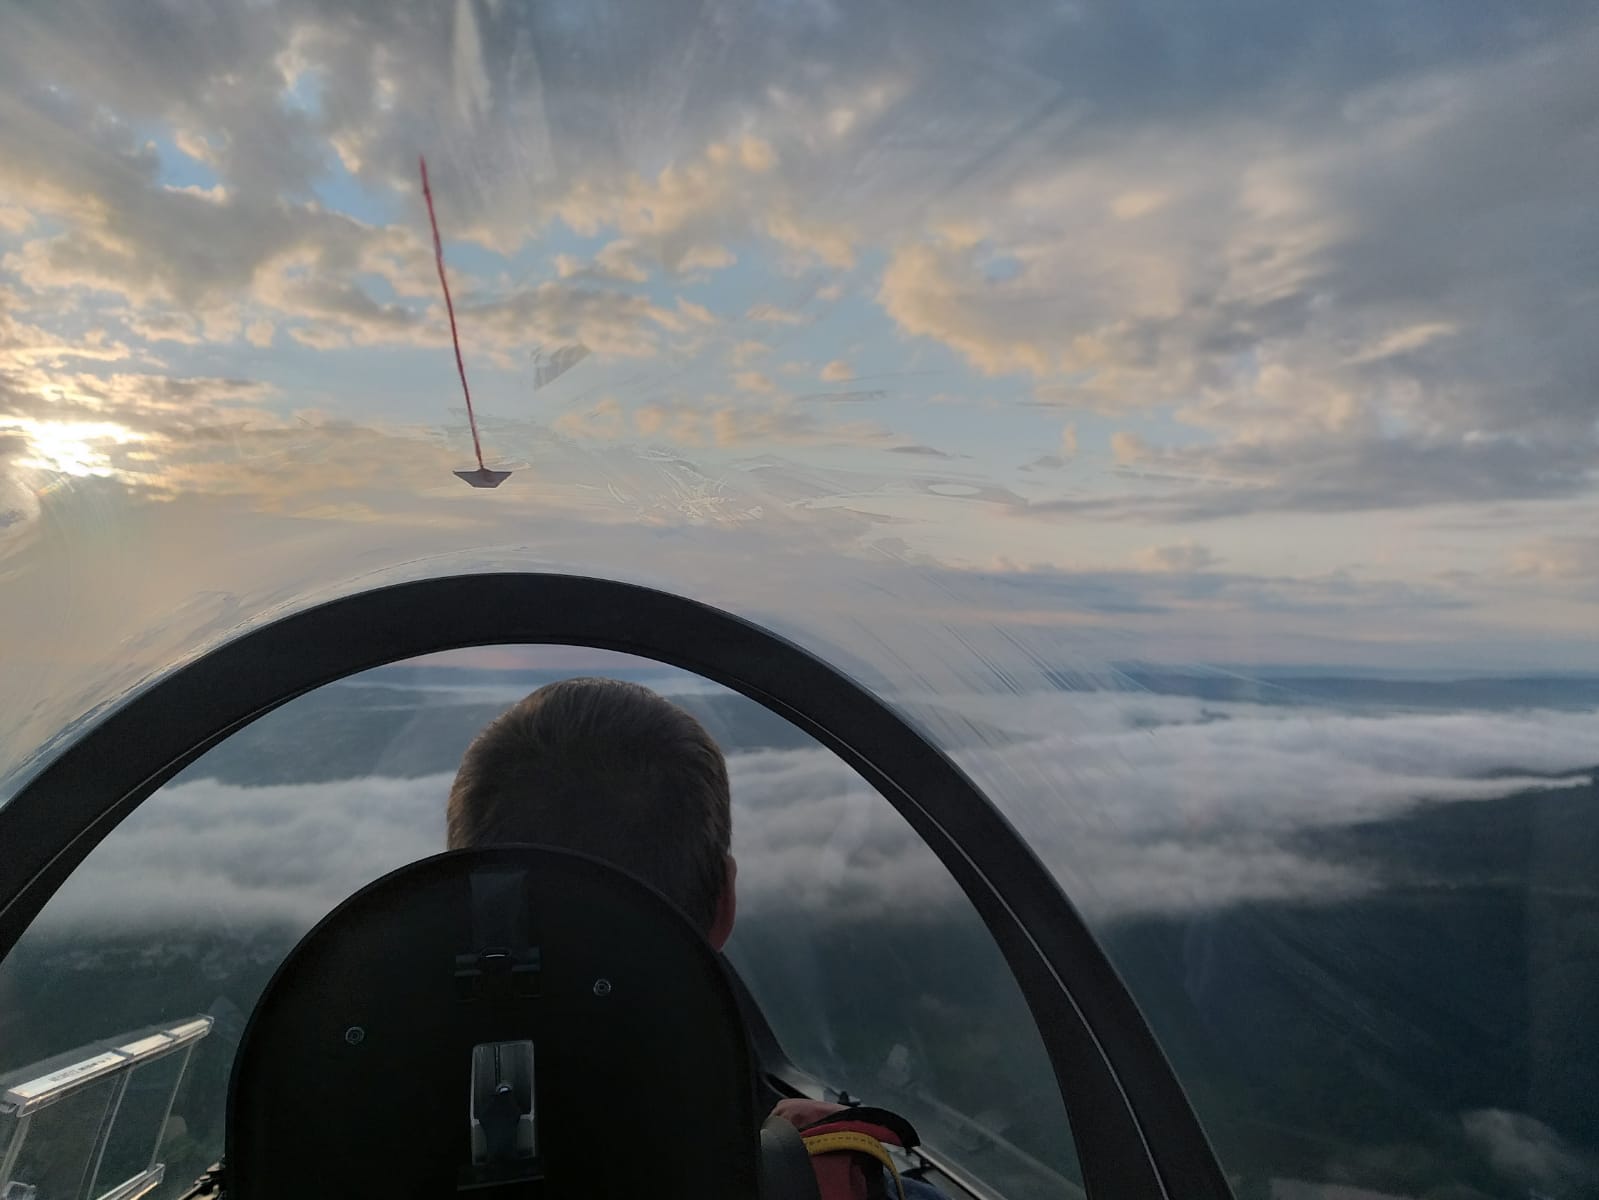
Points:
(1135, 1131)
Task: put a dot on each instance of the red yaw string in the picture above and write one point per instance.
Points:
(460, 366)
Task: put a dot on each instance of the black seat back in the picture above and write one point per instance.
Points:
(355, 1075)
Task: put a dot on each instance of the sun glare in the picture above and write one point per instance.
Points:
(72, 447)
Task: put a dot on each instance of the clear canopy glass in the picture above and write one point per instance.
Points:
(1184, 412)
(862, 954)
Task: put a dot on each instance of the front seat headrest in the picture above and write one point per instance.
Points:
(516, 1020)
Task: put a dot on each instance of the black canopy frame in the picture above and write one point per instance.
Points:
(1135, 1131)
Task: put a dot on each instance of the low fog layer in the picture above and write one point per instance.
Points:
(1142, 804)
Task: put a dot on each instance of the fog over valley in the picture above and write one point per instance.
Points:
(1227, 851)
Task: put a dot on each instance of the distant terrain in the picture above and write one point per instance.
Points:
(380, 728)
(1384, 694)
(1433, 1037)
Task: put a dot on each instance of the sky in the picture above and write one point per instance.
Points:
(1231, 331)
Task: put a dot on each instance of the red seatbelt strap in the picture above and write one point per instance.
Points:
(850, 1148)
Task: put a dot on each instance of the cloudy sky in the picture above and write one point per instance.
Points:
(1235, 332)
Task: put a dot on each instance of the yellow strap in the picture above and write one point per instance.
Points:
(865, 1143)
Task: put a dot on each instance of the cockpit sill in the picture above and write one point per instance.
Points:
(28, 1096)
(33, 1090)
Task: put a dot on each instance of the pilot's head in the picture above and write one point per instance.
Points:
(609, 769)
